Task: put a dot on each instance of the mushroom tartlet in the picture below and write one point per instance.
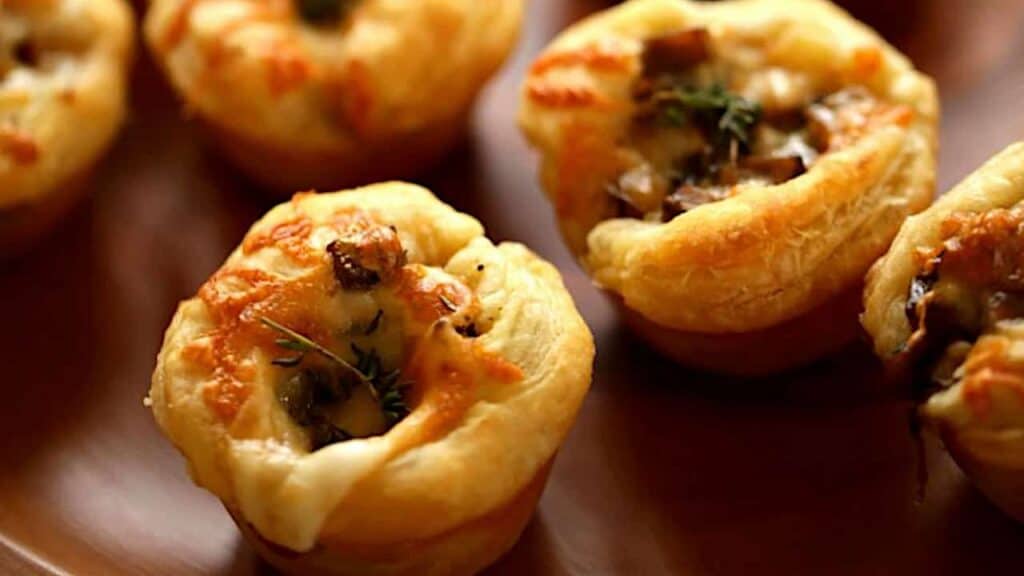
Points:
(945, 307)
(372, 387)
(332, 93)
(730, 170)
(63, 69)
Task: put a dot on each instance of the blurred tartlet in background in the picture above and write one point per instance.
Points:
(331, 93)
(63, 76)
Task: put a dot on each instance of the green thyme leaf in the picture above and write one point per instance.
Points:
(295, 341)
(293, 345)
(374, 324)
(306, 393)
(383, 386)
(729, 116)
(392, 404)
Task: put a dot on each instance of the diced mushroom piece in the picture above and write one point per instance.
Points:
(323, 12)
(778, 169)
(970, 286)
(641, 189)
(676, 52)
(26, 53)
(838, 113)
(688, 197)
(797, 145)
(1005, 306)
(367, 258)
(821, 123)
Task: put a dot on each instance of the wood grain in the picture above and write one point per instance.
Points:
(665, 472)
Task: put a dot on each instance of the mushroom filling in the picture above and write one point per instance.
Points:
(971, 286)
(17, 50)
(38, 60)
(694, 141)
(42, 43)
(351, 385)
(324, 12)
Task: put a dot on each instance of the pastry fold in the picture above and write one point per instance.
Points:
(945, 308)
(306, 94)
(713, 257)
(476, 354)
(63, 75)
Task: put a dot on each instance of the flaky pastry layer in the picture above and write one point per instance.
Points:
(388, 71)
(980, 410)
(768, 253)
(63, 73)
(489, 405)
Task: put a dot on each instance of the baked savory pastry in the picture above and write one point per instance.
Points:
(730, 170)
(63, 68)
(331, 93)
(945, 307)
(372, 387)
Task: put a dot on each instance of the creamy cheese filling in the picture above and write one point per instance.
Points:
(693, 140)
(350, 383)
(325, 355)
(972, 286)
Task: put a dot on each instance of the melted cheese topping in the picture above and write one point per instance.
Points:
(989, 392)
(483, 404)
(980, 278)
(443, 367)
(312, 303)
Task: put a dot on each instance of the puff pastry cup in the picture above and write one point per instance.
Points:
(63, 64)
(945, 307)
(730, 170)
(372, 387)
(331, 93)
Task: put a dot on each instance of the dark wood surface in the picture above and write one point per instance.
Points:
(665, 472)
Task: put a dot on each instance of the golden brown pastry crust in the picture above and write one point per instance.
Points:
(768, 254)
(981, 415)
(449, 488)
(823, 331)
(380, 95)
(465, 549)
(62, 63)
(999, 183)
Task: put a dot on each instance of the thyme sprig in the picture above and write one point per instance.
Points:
(296, 342)
(384, 386)
(301, 394)
(731, 116)
(375, 323)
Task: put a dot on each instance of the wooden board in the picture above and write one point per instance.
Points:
(665, 472)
